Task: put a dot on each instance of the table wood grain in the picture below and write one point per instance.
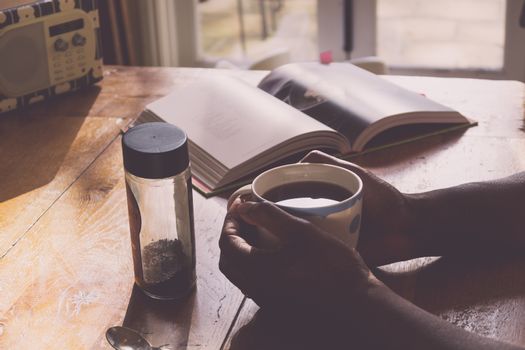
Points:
(65, 258)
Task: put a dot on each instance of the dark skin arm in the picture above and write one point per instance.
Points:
(473, 218)
(479, 218)
(308, 265)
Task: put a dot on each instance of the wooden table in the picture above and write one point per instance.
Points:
(65, 259)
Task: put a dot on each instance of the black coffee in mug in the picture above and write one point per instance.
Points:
(307, 194)
(328, 196)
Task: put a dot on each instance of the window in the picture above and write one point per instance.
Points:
(473, 38)
(245, 31)
(448, 34)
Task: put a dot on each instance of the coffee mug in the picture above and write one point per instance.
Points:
(335, 206)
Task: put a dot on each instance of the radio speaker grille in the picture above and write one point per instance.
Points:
(23, 62)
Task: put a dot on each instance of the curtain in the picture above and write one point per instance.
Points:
(119, 32)
(149, 32)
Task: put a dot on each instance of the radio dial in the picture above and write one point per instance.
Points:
(78, 40)
(61, 45)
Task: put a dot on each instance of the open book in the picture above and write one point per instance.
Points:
(236, 130)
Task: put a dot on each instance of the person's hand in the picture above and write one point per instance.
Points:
(300, 267)
(385, 234)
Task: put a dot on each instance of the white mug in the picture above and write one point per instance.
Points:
(341, 219)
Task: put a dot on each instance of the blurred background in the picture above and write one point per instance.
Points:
(467, 38)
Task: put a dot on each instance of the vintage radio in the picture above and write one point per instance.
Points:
(48, 48)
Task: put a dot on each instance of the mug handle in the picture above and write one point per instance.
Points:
(247, 189)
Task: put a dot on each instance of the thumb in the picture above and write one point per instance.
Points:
(321, 157)
(273, 219)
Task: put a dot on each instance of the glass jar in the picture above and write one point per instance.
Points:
(160, 207)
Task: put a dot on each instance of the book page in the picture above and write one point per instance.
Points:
(231, 120)
(350, 99)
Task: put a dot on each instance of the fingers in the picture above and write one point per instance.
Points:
(238, 198)
(232, 204)
(242, 263)
(231, 242)
(320, 157)
(272, 219)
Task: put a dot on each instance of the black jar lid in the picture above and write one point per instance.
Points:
(155, 150)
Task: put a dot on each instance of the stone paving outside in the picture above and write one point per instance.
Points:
(420, 33)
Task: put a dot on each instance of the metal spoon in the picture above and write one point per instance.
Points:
(122, 338)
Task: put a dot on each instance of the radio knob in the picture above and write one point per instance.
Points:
(61, 45)
(78, 40)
